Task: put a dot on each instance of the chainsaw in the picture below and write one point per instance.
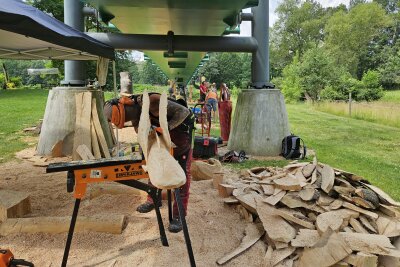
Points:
(7, 260)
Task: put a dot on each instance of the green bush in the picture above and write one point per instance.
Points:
(291, 82)
(369, 88)
(17, 81)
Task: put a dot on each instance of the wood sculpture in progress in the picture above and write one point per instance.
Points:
(164, 171)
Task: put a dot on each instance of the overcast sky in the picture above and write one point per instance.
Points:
(245, 27)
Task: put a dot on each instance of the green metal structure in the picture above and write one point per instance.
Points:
(182, 17)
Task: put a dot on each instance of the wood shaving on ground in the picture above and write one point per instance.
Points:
(316, 215)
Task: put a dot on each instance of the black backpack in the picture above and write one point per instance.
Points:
(292, 148)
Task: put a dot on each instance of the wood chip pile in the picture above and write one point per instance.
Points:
(315, 215)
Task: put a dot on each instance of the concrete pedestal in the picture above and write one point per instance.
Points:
(60, 116)
(260, 122)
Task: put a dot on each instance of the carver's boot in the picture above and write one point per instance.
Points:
(175, 226)
(146, 207)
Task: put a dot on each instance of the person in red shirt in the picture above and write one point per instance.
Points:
(203, 91)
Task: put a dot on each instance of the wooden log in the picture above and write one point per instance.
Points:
(328, 178)
(329, 249)
(100, 223)
(336, 204)
(82, 123)
(99, 131)
(362, 260)
(13, 204)
(360, 210)
(344, 190)
(276, 228)
(218, 178)
(253, 233)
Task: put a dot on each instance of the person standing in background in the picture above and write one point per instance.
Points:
(225, 111)
(211, 103)
(203, 91)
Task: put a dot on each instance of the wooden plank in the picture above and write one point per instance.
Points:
(13, 204)
(114, 139)
(329, 249)
(253, 233)
(268, 189)
(83, 103)
(328, 178)
(388, 226)
(231, 201)
(362, 260)
(288, 183)
(274, 199)
(99, 131)
(357, 226)
(367, 224)
(293, 202)
(276, 228)
(84, 152)
(336, 204)
(308, 194)
(95, 142)
(334, 219)
(389, 210)
(285, 214)
(367, 243)
(360, 210)
(308, 170)
(249, 202)
(107, 223)
(225, 190)
(279, 255)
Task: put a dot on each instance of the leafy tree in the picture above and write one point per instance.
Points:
(349, 34)
(152, 75)
(299, 27)
(291, 83)
(390, 69)
(52, 7)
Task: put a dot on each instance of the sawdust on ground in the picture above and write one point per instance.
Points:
(215, 229)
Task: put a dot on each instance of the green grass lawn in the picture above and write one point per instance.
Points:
(368, 149)
(19, 109)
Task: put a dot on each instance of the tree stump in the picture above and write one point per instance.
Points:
(59, 120)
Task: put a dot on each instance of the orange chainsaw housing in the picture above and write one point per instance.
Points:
(5, 257)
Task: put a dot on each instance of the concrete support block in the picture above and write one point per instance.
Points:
(260, 122)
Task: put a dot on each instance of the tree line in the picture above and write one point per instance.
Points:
(326, 53)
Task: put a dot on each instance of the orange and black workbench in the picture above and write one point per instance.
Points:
(124, 170)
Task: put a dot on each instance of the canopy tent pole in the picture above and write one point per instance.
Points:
(115, 95)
